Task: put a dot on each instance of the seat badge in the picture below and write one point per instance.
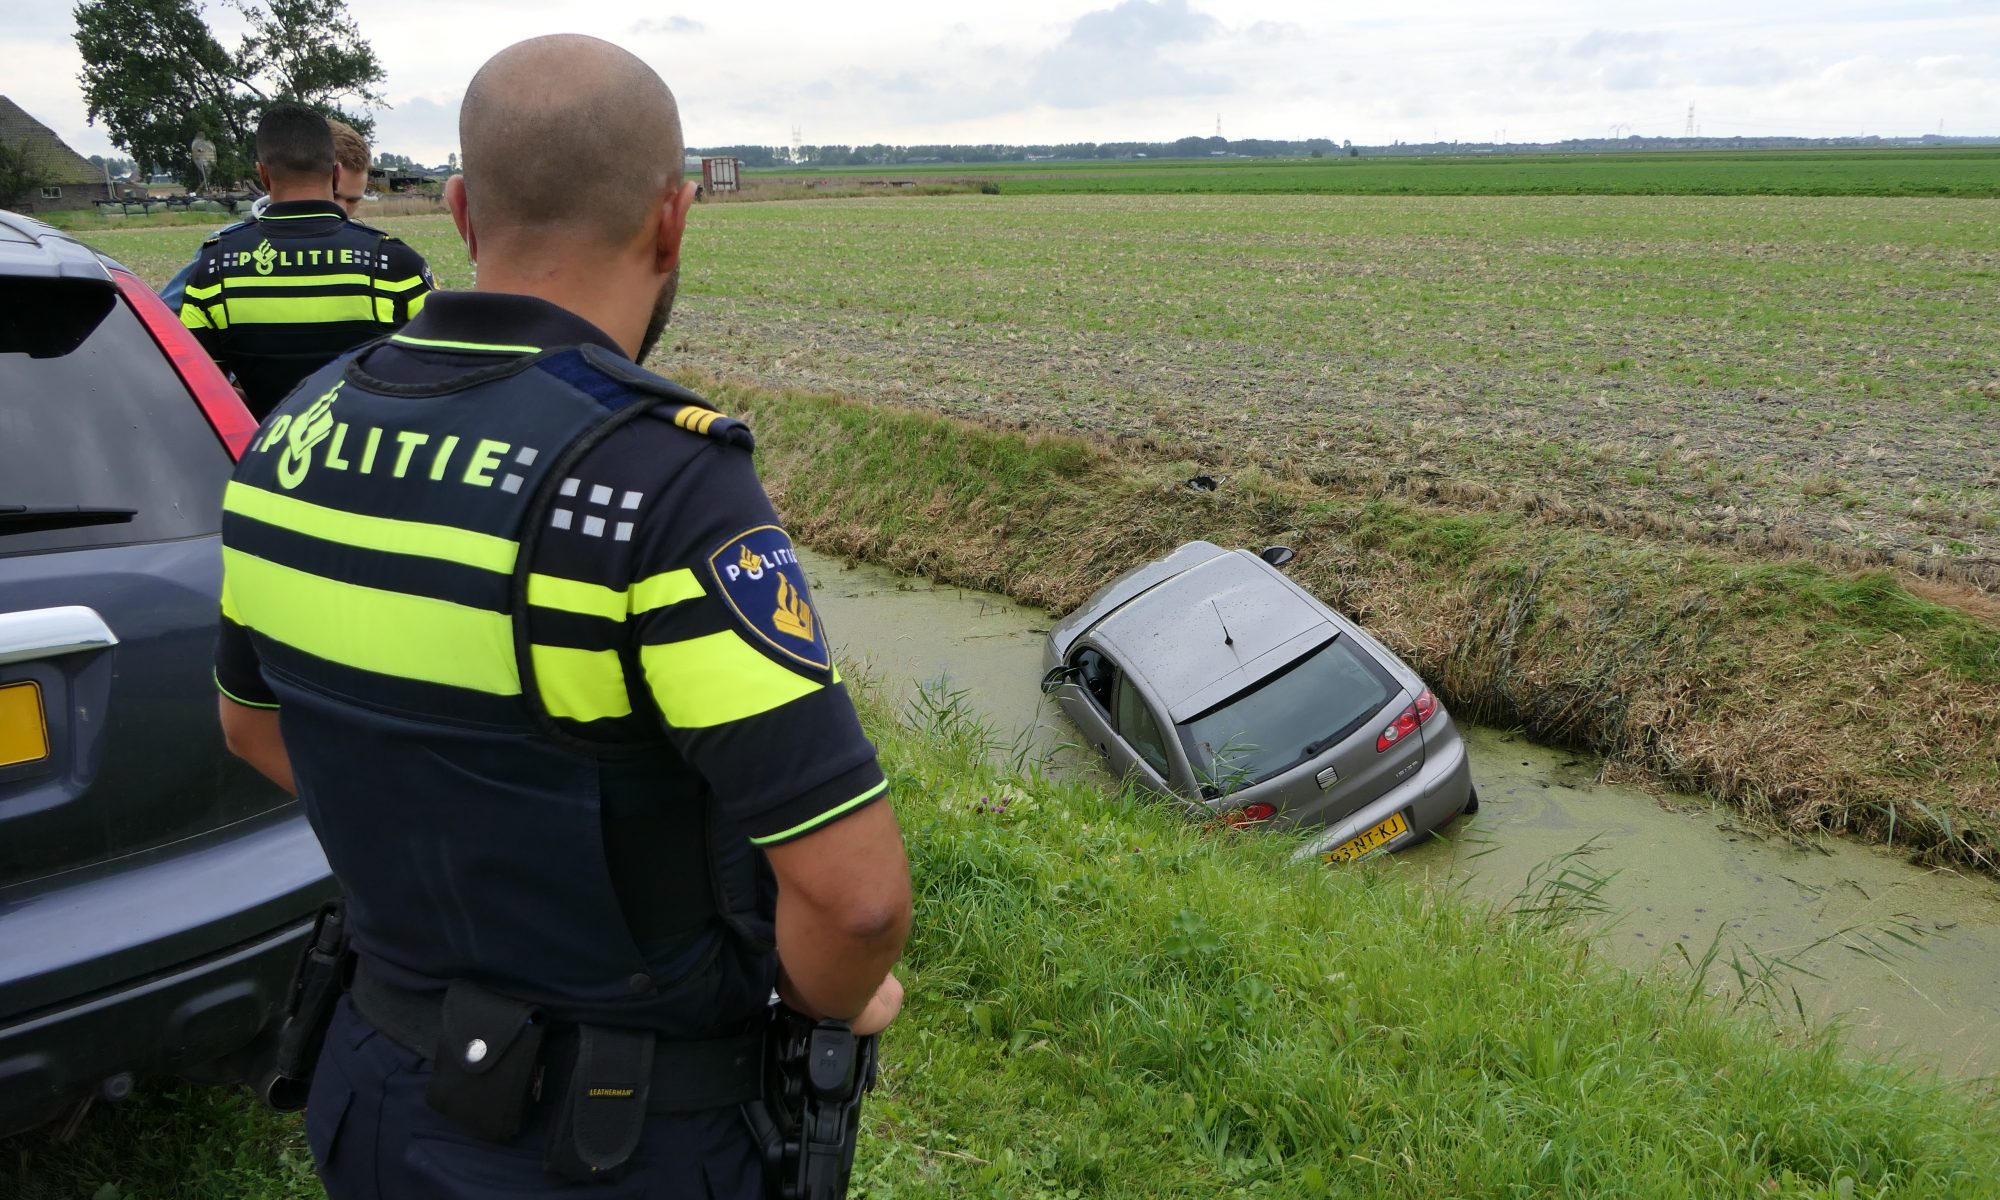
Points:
(1327, 778)
(758, 574)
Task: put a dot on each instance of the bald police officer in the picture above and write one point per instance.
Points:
(279, 296)
(517, 622)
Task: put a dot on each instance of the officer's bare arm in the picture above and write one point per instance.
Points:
(843, 911)
(252, 735)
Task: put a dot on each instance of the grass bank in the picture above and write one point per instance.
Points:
(1819, 699)
(1109, 1002)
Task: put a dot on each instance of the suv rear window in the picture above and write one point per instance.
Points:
(93, 418)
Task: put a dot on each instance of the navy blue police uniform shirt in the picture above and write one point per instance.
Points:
(663, 548)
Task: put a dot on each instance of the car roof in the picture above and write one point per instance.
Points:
(1210, 631)
(31, 250)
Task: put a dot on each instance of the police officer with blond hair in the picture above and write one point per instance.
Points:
(516, 620)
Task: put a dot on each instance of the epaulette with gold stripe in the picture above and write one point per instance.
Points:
(683, 407)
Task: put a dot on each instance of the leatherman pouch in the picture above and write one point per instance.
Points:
(484, 1073)
(602, 1110)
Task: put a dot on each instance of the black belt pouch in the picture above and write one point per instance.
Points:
(602, 1111)
(484, 1072)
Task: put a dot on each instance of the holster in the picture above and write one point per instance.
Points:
(323, 974)
(809, 1120)
(486, 1070)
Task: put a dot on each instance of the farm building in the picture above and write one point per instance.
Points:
(62, 178)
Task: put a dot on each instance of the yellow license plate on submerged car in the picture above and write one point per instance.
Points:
(1374, 839)
(24, 735)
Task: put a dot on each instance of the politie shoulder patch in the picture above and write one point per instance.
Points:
(758, 573)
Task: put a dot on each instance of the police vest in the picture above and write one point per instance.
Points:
(274, 304)
(470, 835)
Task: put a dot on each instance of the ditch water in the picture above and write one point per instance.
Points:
(1908, 958)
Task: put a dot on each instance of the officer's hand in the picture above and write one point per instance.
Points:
(882, 1008)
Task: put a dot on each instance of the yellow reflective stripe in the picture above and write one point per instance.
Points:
(194, 317)
(580, 685)
(574, 595)
(369, 629)
(207, 293)
(416, 304)
(713, 680)
(385, 311)
(401, 285)
(233, 696)
(823, 818)
(447, 542)
(292, 281)
(494, 347)
(659, 591)
(300, 310)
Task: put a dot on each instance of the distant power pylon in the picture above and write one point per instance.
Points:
(797, 139)
(1690, 124)
(1218, 124)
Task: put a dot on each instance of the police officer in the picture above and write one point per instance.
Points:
(278, 297)
(350, 186)
(517, 622)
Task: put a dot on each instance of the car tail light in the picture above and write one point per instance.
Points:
(219, 402)
(1407, 721)
(1250, 814)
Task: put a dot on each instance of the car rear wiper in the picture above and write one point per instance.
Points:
(34, 518)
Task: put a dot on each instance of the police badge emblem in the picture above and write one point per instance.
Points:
(758, 574)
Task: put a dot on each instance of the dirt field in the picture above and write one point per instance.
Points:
(1781, 369)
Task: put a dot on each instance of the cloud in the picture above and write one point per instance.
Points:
(1600, 43)
(1274, 33)
(416, 123)
(1114, 54)
(674, 24)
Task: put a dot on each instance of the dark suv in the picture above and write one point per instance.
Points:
(155, 893)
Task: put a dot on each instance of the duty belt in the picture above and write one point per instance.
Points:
(685, 1076)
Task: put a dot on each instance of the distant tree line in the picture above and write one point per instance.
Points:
(880, 154)
(883, 155)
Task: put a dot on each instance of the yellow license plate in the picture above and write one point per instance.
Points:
(1374, 839)
(24, 734)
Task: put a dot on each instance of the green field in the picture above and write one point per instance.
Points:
(1966, 172)
(1109, 1002)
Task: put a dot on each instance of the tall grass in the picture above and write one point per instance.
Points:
(1108, 1001)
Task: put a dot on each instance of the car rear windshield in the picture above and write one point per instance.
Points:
(100, 442)
(1286, 718)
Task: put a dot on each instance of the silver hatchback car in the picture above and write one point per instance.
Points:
(1217, 681)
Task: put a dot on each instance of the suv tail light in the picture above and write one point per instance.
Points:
(1406, 723)
(219, 402)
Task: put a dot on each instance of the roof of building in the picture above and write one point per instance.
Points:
(44, 149)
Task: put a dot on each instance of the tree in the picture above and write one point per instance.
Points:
(18, 173)
(158, 78)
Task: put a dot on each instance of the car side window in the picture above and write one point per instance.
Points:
(1095, 672)
(1136, 725)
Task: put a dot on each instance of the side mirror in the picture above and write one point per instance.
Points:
(1277, 556)
(1056, 677)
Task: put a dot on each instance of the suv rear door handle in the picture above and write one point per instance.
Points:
(41, 633)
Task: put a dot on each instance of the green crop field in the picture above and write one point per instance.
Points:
(1913, 172)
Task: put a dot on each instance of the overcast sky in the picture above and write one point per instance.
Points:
(907, 72)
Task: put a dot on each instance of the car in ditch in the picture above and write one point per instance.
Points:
(155, 892)
(1210, 677)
